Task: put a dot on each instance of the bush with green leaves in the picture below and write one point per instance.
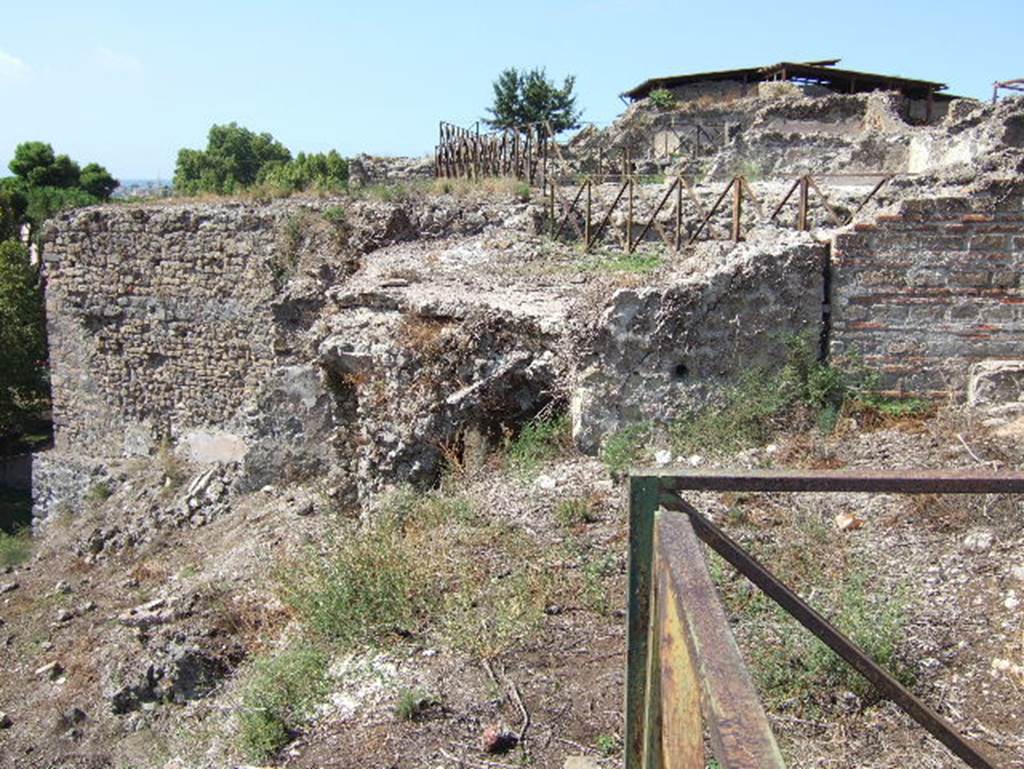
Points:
(324, 172)
(279, 692)
(363, 591)
(233, 159)
(236, 159)
(662, 98)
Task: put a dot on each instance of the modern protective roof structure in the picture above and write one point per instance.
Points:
(823, 73)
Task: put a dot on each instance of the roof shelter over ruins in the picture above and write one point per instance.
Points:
(821, 74)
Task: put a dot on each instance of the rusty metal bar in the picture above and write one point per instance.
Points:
(567, 210)
(784, 200)
(629, 219)
(801, 216)
(854, 656)
(654, 215)
(737, 209)
(608, 215)
(714, 208)
(679, 213)
(880, 481)
(870, 195)
(586, 225)
(698, 654)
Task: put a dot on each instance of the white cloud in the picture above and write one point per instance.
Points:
(12, 69)
(116, 62)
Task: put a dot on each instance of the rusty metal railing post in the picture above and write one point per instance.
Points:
(801, 219)
(679, 213)
(737, 208)
(586, 226)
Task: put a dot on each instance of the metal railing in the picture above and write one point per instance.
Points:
(590, 225)
(684, 671)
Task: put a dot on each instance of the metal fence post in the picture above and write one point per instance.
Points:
(643, 503)
(737, 208)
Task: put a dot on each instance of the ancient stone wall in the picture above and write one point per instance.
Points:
(157, 317)
(924, 292)
(168, 319)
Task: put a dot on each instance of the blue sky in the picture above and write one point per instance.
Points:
(128, 84)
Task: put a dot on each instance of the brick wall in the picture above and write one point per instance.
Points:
(923, 293)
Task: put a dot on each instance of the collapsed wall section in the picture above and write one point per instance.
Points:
(924, 292)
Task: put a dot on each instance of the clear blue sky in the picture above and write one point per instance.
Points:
(128, 84)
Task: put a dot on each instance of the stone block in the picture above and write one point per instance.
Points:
(995, 382)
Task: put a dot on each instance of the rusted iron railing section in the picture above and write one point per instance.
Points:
(521, 152)
(684, 672)
(1007, 85)
(590, 225)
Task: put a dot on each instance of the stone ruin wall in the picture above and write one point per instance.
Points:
(159, 320)
(925, 292)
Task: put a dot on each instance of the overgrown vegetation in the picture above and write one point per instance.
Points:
(412, 703)
(15, 548)
(620, 262)
(662, 98)
(434, 568)
(749, 412)
(540, 441)
(279, 692)
(626, 447)
(792, 669)
(237, 159)
(24, 386)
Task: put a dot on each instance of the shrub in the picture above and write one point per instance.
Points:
(279, 692)
(540, 441)
(788, 663)
(15, 548)
(577, 511)
(662, 98)
(365, 590)
(746, 416)
(98, 492)
(626, 447)
(23, 375)
(412, 703)
(336, 215)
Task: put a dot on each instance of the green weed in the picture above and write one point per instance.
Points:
(662, 98)
(98, 493)
(629, 263)
(540, 441)
(15, 548)
(626, 447)
(576, 511)
(412, 703)
(364, 590)
(607, 745)
(279, 693)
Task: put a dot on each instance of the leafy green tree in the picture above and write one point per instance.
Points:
(23, 386)
(97, 181)
(36, 164)
(522, 97)
(13, 205)
(233, 158)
